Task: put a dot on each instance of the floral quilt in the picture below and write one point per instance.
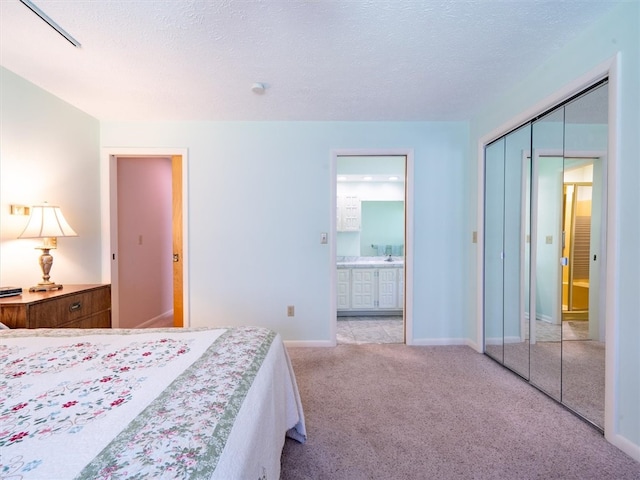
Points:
(165, 403)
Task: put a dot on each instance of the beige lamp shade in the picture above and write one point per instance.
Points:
(47, 221)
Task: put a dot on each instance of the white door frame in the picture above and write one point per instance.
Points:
(408, 250)
(109, 219)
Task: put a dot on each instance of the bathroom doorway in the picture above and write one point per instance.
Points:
(370, 248)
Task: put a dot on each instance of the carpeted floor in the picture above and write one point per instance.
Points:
(403, 412)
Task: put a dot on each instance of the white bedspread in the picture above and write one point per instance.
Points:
(166, 403)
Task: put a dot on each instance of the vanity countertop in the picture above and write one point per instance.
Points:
(370, 262)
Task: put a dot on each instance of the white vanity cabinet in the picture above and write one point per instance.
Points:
(348, 214)
(370, 289)
(363, 288)
(387, 288)
(344, 288)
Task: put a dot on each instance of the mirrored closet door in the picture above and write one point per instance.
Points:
(544, 230)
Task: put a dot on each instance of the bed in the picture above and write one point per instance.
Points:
(160, 403)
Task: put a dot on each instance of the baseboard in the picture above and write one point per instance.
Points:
(513, 339)
(625, 445)
(545, 318)
(470, 343)
(163, 316)
(309, 343)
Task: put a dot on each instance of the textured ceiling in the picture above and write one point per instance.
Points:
(320, 60)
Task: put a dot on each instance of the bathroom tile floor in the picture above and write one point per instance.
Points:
(377, 329)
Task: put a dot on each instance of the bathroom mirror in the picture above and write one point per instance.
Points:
(382, 231)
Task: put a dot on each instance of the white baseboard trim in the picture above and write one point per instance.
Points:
(545, 318)
(309, 343)
(159, 318)
(470, 343)
(427, 342)
(625, 445)
(513, 339)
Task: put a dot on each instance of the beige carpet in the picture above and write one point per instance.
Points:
(400, 412)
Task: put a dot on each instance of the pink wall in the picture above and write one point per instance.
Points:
(144, 239)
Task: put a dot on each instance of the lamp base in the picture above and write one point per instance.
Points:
(45, 287)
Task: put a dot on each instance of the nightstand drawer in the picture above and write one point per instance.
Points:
(97, 320)
(76, 306)
(69, 308)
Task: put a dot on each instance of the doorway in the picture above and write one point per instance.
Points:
(576, 243)
(169, 244)
(370, 248)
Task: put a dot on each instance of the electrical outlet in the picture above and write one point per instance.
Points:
(291, 311)
(474, 237)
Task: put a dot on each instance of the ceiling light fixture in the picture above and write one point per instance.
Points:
(367, 178)
(258, 88)
(394, 178)
(51, 23)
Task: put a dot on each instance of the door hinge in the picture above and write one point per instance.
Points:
(176, 257)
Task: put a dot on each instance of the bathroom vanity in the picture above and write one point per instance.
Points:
(370, 286)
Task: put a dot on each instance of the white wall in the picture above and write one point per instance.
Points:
(259, 197)
(48, 152)
(616, 32)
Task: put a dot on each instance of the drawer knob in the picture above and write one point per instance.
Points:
(75, 306)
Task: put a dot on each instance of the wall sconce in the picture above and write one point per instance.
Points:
(47, 222)
(19, 210)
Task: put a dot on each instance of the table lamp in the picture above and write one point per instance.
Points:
(47, 222)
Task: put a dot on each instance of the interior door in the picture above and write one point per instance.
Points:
(547, 185)
(583, 348)
(494, 250)
(544, 192)
(176, 225)
(516, 265)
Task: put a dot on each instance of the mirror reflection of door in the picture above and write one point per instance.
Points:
(576, 250)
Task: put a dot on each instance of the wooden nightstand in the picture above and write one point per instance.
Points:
(74, 306)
